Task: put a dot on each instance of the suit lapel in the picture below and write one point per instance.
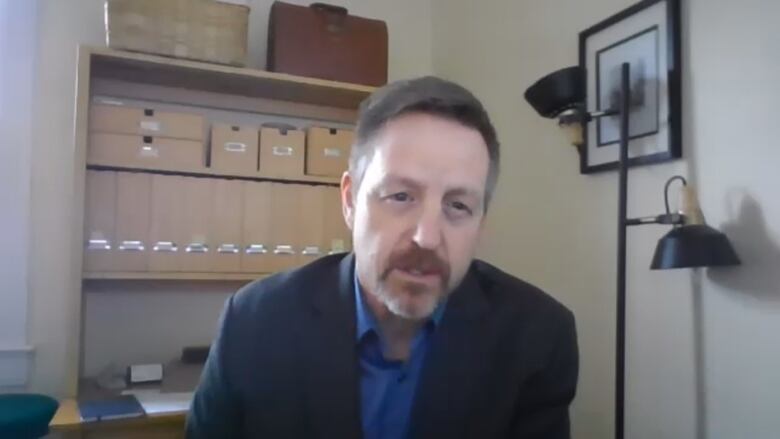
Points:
(330, 359)
(454, 364)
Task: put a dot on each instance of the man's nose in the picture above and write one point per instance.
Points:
(428, 230)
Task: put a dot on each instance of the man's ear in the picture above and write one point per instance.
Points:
(347, 199)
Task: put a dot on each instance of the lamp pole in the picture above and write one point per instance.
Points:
(620, 330)
(690, 244)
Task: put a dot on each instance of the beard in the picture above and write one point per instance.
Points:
(402, 294)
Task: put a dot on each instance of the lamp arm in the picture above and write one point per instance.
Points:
(605, 113)
(666, 189)
(582, 116)
(667, 218)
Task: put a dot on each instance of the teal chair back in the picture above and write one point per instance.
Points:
(25, 416)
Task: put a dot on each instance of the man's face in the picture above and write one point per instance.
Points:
(417, 214)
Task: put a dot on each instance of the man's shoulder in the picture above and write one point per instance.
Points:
(288, 292)
(517, 296)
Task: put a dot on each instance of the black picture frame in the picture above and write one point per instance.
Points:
(656, 140)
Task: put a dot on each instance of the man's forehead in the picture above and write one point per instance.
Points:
(413, 126)
(424, 150)
(431, 141)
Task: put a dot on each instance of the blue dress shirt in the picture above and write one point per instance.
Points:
(386, 386)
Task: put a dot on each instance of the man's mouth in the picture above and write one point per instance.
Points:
(420, 275)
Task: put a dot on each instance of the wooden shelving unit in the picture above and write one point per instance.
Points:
(223, 87)
(120, 74)
(217, 78)
(212, 89)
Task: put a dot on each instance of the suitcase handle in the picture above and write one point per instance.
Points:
(333, 9)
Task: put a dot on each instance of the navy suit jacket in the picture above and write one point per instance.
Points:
(502, 363)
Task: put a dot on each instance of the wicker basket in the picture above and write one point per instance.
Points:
(203, 30)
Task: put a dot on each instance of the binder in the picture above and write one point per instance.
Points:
(119, 407)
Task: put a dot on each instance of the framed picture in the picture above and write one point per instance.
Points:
(647, 36)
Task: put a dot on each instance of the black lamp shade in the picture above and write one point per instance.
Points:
(557, 92)
(693, 246)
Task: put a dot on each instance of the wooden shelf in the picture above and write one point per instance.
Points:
(332, 181)
(215, 78)
(173, 276)
(307, 179)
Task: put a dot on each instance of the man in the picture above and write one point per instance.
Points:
(408, 336)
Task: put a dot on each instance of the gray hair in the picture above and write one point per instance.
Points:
(428, 95)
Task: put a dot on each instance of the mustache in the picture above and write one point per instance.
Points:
(416, 258)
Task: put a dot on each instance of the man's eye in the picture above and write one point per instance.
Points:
(400, 197)
(461, 207)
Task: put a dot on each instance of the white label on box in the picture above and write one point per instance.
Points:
(311, 250)
(235, 147)
(150, 125)
(149, 151)
(108, 101)
(140, 373)
(283, 150)
(97, 241)
(332, 152)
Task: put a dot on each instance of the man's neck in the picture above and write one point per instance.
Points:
(397, 332)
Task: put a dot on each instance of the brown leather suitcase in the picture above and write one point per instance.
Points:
(324, 41)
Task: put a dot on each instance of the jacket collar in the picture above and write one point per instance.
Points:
(453, 363)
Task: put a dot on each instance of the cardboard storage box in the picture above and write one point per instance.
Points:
(234, 149)
(281, 152)
(116, 221)
(145, 152)
(327, 151)
(256, 227)
(121, 119)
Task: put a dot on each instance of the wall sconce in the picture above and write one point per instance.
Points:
(690, 243)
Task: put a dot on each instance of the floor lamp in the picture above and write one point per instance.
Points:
(690, 243)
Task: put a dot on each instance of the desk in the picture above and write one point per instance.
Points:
(67, 424)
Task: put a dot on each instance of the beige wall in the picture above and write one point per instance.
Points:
(702, 358)
(148, 322)
(734, 51)
(55, 308)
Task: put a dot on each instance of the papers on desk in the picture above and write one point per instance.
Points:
(155, 402)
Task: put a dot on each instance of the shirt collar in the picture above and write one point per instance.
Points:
(366, 322)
